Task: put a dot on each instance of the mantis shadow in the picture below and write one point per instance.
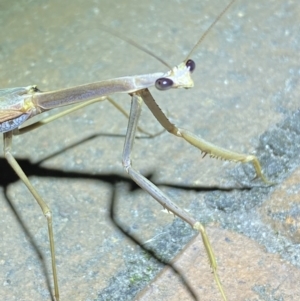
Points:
(35, 169)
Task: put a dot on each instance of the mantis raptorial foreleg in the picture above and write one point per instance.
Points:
(206, 147)
(154, 191)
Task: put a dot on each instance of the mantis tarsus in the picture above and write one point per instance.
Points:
(20, 104)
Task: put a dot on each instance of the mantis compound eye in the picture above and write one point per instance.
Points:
(191, 65)
(163, 84)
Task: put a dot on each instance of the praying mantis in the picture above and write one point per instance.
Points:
(10, 124)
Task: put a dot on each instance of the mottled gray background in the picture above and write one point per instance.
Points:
(246, 81)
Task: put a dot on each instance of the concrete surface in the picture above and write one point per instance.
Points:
(111, 237)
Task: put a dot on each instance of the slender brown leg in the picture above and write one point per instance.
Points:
(156, 193)
(45, 209)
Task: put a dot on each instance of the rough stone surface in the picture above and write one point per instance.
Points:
(248, 273)
(111, 237)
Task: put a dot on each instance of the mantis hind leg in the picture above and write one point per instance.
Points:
(45, 209)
